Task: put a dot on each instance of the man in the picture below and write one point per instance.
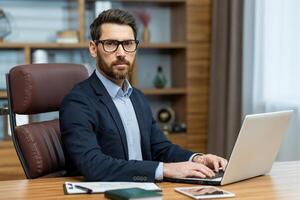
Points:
(107, 126)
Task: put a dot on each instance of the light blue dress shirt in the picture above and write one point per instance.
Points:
(120, 97)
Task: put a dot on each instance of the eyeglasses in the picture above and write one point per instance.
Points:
(111, 46)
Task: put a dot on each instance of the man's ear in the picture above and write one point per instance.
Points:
(93, 49)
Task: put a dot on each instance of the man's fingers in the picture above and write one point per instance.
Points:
(204, 170)
(216, 165)
(197, 174)
(223, 164)
(216, 162)
(194, 169)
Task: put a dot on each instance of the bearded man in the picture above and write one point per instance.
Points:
(108, 131)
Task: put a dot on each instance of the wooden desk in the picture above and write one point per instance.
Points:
(283, 182)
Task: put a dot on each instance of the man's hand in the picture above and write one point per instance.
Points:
(212, 161)
(186, 169)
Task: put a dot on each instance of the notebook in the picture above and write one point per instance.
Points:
(254, 151)
(132, 194)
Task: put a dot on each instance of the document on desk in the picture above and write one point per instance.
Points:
(101, 187)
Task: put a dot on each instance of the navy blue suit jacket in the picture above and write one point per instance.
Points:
(95, 141)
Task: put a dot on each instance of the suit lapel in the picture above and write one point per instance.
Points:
(103, 95)
(141, 121)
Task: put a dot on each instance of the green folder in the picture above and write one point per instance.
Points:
(132, 193)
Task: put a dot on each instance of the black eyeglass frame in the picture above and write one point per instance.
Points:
(119, 42)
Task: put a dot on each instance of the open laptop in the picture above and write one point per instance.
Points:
(254, 151)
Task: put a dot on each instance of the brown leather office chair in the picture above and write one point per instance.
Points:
(33, 89)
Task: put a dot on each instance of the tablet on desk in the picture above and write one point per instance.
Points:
(204, 192)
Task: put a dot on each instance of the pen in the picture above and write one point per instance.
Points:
(87, 190)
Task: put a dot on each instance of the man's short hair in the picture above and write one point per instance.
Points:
(115, 16)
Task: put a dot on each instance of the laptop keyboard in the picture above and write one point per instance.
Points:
(209, 180)
(218, 174)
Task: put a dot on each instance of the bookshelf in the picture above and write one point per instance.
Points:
(185, 53)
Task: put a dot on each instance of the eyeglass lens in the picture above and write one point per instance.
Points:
(112, 45)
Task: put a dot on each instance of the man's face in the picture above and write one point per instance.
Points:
(115, 65)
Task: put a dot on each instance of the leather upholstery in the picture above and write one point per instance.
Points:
(40, 88)
(40, 144)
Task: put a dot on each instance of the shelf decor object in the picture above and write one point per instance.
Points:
(40, 56)
(165, 117)
(160, 79)
(5, 28)
(67, 36)
(144, 18)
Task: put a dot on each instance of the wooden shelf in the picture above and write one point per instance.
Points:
(165, 91)
(8, 45)
(170, 45)
(149, 1)
(3, 95)
(168, 91)
(53, 45)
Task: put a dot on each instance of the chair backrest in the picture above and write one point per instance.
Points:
(33, 89)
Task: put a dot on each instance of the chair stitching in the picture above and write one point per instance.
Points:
(28, 90)
(36, 155)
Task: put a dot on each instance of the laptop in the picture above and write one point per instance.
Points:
(254, 151)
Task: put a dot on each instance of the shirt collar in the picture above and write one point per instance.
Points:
(113, 89)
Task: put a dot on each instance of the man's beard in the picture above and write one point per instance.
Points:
(109, 71)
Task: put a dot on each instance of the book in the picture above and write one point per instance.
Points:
(204, 192)
(101, 187)
(67, 36)
(132, 194)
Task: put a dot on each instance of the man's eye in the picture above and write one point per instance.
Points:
(128, 42)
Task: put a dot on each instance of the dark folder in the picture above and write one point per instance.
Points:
(132, 193)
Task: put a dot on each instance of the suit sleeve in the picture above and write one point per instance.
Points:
(78, 125)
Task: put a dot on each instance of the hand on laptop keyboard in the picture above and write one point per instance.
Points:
(201, 167)
(186, 169)
(212, 161)
(218, 174)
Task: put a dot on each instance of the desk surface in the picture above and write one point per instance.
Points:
(283, 182)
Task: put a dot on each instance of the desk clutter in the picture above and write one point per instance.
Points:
(140, 190)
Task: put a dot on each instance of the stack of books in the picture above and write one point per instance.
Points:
(68, 36)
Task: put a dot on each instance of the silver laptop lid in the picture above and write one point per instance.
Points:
(256, 146)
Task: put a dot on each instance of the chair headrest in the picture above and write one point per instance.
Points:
(38, 88)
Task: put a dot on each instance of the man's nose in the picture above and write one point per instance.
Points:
(120, 51)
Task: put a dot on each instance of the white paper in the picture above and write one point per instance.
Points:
(100, 187)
